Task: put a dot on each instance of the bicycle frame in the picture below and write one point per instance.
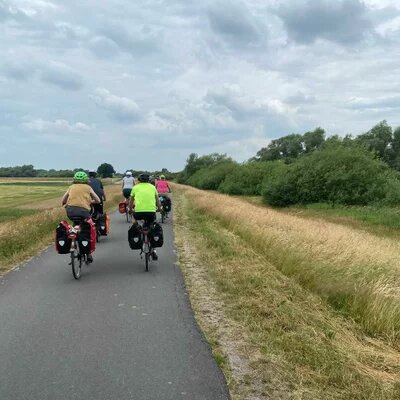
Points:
(76, 256)
(147, 249)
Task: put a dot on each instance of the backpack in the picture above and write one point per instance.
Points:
(87, 237)
(156, 235)
(62, 242)
(135, 237)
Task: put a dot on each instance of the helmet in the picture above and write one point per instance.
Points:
(143, 178)
(129, 173)
(162, 177)
(80, 177)
(92, 173)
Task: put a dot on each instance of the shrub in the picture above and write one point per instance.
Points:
(342, 174)
(211, 177)
(247, 179)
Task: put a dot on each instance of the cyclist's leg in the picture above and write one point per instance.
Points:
(150, 217)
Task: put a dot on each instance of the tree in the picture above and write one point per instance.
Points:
(106, 170)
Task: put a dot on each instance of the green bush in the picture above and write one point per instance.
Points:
(340, 174)
(210, 178)
(247, 179)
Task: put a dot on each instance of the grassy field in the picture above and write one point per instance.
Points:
(29, 213)
(379, 220)
(317, 304)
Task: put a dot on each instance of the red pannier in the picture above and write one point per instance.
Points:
(62, 242)
(122, 207)
(87, 237)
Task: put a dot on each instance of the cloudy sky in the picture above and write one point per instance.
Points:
(141, 84)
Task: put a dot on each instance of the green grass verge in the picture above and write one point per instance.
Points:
(10, 214)
(304, 350)
(27, 235)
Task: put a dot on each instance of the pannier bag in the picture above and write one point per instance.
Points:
(62, 242)
(87, 237)
(156, 235)
(167, 203)
(122, 207)
(135, 238)
(104, 224)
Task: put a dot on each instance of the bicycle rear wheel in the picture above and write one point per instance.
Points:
(147, 260)
(76, 264)
(162, 216)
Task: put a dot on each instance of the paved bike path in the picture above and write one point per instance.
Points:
(118, 333)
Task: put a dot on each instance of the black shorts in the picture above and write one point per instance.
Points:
(147, 216)
(127, 193)
(75, 213)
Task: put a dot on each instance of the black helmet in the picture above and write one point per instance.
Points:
(143, 178)
(92, 173)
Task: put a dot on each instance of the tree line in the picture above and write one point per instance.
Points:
(309, 168)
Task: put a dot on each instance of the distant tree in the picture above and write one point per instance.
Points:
(289, 148)
(379, 140)
(106, 170)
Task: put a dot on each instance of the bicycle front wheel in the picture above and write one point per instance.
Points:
(76, 264)
(147, 260)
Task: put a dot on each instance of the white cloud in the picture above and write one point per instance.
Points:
(120, 108)
(58, 126)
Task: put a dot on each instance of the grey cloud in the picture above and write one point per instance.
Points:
(62, 76)
(121, 109)
(381, 103)
(234, 22)
(18, 71)
(301, 98)
(342, 21)
(138, 42)
(103, 47)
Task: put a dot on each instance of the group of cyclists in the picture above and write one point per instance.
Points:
(86, 195)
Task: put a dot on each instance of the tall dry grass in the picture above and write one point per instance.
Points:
(24, 237)
(357, 272)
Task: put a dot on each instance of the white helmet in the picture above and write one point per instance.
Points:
(129, 173)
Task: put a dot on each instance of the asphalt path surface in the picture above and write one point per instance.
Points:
(118, 333)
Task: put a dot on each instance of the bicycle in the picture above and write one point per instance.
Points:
(163, 211)
(147, 248)
(76, 257)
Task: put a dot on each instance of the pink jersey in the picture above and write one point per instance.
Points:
(162, 186)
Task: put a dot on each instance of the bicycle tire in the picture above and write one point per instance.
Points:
(162, 217)
(76, 264)
(147, 260)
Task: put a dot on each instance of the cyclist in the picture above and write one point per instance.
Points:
(78, 199)
(145, 202)
(152, 180)
(162, 185)
(127, 184)
(98, 188)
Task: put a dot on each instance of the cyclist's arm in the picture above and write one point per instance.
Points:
(95, 198)
(65, 198)
(169, 189)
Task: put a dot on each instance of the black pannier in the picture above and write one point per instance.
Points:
(87, 237)
(135, 238)
(102, 224)
(156, 235)
(166, 203)
(62, 242)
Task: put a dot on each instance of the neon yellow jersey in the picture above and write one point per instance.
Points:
(144, 194)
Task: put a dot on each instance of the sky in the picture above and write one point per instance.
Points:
(142, 84)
